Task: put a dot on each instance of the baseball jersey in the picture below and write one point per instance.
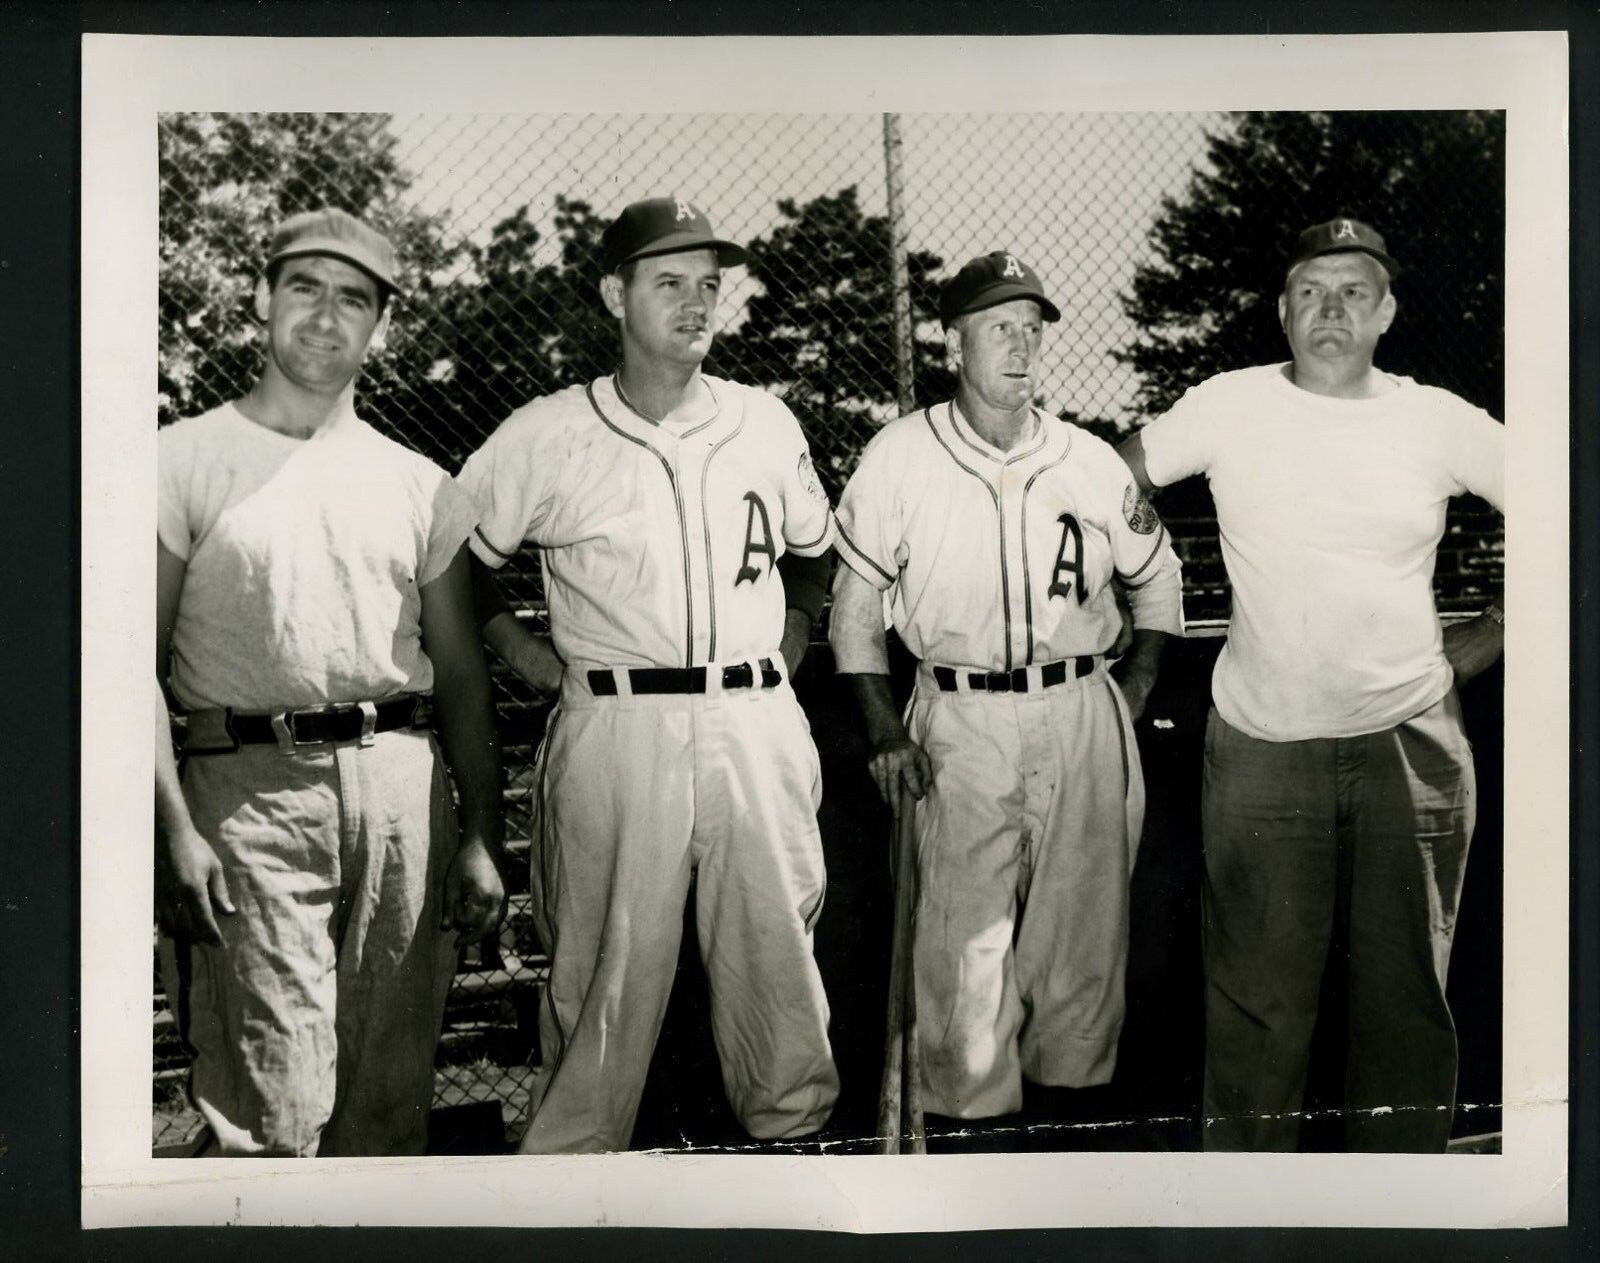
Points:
(659, 541)
(305, 560)
(1331, 511)
(1002, 559)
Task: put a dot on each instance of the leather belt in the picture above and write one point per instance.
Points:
(1050, 674)
(306, 726)
(661, 680)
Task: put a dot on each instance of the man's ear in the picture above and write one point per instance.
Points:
(1283, 312)
(263, 301)
(952, 345)
(1387, 309)
(611, 293)
(380, 331)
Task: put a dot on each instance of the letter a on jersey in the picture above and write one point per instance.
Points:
(754, 547)
(1068, 574)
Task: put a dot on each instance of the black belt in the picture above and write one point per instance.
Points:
(1050, 674)
(659, 680)
(311, 725)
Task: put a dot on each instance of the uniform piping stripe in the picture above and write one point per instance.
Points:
(683, 527)
(1009, 457)
(1027, 584)
(705, 522)
(623, 400)
(1005, 586)
(821, 535)
(852, 549)
(1128, 579)
(490, 544)
(1122, 738)
(545, 850)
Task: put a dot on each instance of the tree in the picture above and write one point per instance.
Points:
(1431, 182)
(227, 180)
(821, 331)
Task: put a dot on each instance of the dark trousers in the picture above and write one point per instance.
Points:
(1374, 828)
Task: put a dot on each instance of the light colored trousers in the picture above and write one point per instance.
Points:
(1373, 828)
(636, 794)
(314, 1025)
(1027, 843)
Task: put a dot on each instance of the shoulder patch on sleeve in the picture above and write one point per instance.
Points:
(807, 473)
(1141, 515)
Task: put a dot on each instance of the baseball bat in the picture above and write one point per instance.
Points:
(900, 1099)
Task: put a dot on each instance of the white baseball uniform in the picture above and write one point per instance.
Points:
(1001, 564)
(659, 544)
(314, 1024)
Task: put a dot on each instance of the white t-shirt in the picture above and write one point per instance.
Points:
(1003, 559)
(1331, 511)
(305, 560)
(659, 542)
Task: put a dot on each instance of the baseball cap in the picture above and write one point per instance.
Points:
(340, 235)
(1343, 234)
(988, 281)
(662, 225)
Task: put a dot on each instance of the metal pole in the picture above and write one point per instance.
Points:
(899, 281)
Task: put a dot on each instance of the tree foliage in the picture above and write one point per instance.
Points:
(1431, 182)
(821, 331)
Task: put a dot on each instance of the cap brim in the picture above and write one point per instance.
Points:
(1389, 265)
(729, 253)
(333, 248)
(1006, 292)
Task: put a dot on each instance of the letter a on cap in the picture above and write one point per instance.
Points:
(1345, 229)
(1012, 267)
(685, 211)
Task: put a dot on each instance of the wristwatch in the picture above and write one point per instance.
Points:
(1493, 611)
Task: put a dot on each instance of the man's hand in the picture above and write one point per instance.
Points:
(1473, 646)
(1135, 680)
(900, 760)
(474, 894)
(190, 888)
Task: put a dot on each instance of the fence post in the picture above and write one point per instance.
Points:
(899, 281)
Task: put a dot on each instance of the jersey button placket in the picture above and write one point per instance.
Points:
(688, 461)
(1009, 484)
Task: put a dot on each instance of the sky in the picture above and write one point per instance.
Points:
(1073, 194)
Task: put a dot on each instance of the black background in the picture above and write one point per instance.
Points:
(39, 870)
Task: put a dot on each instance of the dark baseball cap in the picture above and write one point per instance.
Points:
(339, 235)
(988, 281)
(663, 225)
(1339, 235)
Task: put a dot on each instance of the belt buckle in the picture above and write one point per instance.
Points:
(738, 676)
(285, 726)
(997, 682)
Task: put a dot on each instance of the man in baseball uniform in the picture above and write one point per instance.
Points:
(312, 591)
(663, 501)
(999, 531)
(1338, 779)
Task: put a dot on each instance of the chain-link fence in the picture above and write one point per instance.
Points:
(1161, 236)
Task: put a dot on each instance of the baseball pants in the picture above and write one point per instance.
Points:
(314, 1025)
(638, 793)
(1027, 842)
(1374, 828)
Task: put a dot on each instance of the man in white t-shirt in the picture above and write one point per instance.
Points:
(312, 592)
(1338, 778)
(666, 505)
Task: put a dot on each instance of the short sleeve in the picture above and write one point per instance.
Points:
(808, 527)
(509, 486)
(1475, 452)
(1183, 440)
(174, 469)
(452, 518)
(870, 518)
